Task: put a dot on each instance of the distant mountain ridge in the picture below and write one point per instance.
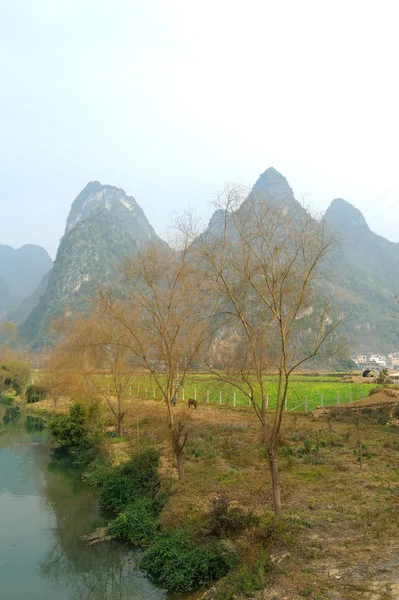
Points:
(105, 224)
(21, 270)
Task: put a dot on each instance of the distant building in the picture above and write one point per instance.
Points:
(361, 358)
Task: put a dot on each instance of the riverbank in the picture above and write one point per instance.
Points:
(338, 538)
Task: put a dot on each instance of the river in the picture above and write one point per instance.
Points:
(45, 509)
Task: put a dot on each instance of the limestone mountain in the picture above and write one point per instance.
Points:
(365, 277)
(21, 271)
(363, 269)
(104, 226)
(114, 200)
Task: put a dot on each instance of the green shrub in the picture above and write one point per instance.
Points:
(97, 471)
(13, 414)
(130, 481)
(137, 523)
(71, 432)
(35, 393)
(178, 565)
(15, 374)
(246, 580)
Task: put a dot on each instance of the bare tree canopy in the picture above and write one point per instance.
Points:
(263, 259)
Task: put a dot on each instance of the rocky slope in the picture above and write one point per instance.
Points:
(105, 224)
(103, 227)
(362, 271)
(364, 275)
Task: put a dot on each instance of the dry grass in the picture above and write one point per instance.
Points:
(345, 545)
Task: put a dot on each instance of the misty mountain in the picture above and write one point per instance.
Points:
(21, 271)
(362, 269)
(364, 277)
(104, 226)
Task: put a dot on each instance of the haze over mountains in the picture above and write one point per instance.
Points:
(20, 273)
(104, 225)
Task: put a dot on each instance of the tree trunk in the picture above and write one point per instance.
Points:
(275, 481)
(263, 437)
(180, 464)
(120, 431)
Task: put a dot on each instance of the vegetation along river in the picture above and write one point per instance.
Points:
(45, 509)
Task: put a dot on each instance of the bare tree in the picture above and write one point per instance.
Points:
(93, 347)
(262, 259)
(165, 319)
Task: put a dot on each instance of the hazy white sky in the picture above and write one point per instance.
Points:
(170, 99)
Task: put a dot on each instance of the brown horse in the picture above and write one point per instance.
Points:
(192, 403)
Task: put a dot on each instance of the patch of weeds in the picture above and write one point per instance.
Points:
(246, 579)
(227, 519)
(307, 592)
(273, 530)
(126, 483)
(179, 565)
(98, 470)
(137, 523)
(365, 453)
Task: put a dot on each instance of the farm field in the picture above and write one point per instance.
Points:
(306, 391)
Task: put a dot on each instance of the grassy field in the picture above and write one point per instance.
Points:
(306, 391)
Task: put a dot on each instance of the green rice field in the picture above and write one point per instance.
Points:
(306, 392)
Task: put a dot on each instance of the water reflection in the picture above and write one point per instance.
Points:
(44, 511)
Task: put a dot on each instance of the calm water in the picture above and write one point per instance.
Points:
(44, 511)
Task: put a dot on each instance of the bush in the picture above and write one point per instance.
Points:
(35, 393)
(98, 471)
(178, 565)
(226, 519)
(71, 432)
(15, 373)
(137, 523)
(132, 480)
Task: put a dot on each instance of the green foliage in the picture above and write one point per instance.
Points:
(383, 377)
(178, 565)
(365, 453)
(130, 481)
(137, 523)
(97, 471)
(13, 414)
(15, 374)
(246, 579)
(71, 431)
(35, 393)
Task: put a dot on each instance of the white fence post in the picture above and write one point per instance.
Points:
(130, 389)
(183, 394)
(220, 397)
(234, 399)
(267, 401)
(195, 394)
(154, 391)
(306, 404)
